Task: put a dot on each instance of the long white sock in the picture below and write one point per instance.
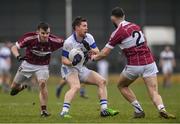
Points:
(103, 103)
(161, 107)
(66, 107)
(137, 107)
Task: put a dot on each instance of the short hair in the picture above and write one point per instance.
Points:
(43, 25)
(117, 12)
(77, 21)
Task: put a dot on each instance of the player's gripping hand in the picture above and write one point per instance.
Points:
(86, 45)
(77, 59)
(93, 57)
(21, 58)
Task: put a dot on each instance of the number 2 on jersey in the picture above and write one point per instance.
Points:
(138, 36)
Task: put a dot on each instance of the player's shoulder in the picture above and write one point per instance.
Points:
(121, 28)
(29, 36)
(127, 24)
(55, 38)
(89, 37)
(162, 52)
(69, 40)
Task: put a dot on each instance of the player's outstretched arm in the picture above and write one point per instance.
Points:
(95, 50)
(102, 54)
(15, 51)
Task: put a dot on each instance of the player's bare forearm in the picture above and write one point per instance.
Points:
(95, 50)
(66, 61)
(14, 50)
(102, 54)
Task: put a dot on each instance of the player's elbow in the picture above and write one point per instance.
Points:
(13, 48)
(65, 61)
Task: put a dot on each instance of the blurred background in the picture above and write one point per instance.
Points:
(158, 18)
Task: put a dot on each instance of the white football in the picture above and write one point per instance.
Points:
(74, 52)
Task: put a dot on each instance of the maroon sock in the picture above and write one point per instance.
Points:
(43, 107)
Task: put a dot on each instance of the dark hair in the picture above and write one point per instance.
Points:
(77, 21)
(43, 25)
(118, 12)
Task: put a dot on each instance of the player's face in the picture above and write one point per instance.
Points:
(82, 29)
(114, 20)
(167, 48)
(44, 35)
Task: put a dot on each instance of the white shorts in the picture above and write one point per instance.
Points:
(26, 70)
(133, 72)
(83, 72)
(167, 69)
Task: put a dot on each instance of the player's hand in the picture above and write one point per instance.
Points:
(77, 59)
(93, 57)
(21, 58)
(86, 45)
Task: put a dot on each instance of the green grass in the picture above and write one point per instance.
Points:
(21, 109)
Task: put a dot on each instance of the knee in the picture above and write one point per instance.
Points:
(42, 84)
(102, 82)
(121, 85)
(76, 87)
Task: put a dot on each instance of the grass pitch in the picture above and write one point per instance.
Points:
(24, 108)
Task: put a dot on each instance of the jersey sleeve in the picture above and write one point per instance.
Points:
(57, 42)
(23, 41)
(115, 38)
(66, 49)
(91, 41)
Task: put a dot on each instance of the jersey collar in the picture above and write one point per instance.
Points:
(75, 37)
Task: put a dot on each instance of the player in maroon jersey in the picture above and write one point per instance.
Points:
(38, 48)
(140, 62)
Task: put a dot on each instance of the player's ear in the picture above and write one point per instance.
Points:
(76, 27)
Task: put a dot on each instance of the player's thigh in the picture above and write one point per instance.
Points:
(66, 71)
(150, 70)
(42, 74)
(24, 72)
(94, 78)
(73, 80)
(151, 83)
(150, 76)
(169, 71)
(131, 72)
(129, 75)
(124, 81)
(21, 76)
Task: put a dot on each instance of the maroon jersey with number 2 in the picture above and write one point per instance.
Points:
(131, 40)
